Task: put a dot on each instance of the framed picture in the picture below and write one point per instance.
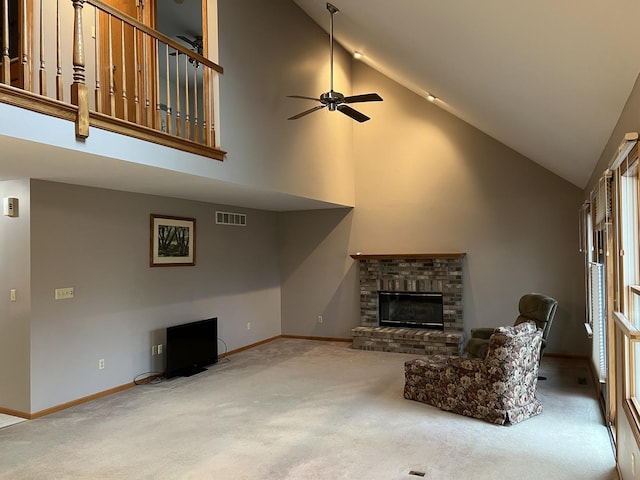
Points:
(173, 241)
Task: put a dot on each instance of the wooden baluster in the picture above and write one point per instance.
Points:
(145, 83)
(136, 70)
(97, 65)
(178, 119)
(125, 106)
(112, 85)
(79, 88)
(43, 72)
(196, 129)
(157, 86)
(4, 58)
(168, 91)
(211, 140)
(206, 87)
(187, 119)
(25, 73)
(59, 85)
(205, 108)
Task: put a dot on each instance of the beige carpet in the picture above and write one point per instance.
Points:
(298, 409)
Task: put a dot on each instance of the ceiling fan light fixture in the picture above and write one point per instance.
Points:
(332, 100)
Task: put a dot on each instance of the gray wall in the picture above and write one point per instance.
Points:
(97, 241)
(270, 50)
(427, 182)
(15, 272)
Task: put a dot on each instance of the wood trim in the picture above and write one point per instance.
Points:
(633, 416)
(36, 103)
(49, 106)
(116, 125)
(626, 327)
(395, 256)
(247, 347)
(79, 401)
(322, 339)
(15, 413)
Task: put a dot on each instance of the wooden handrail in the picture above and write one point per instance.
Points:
(136, 84)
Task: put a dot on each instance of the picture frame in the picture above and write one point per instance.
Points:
(172, 241)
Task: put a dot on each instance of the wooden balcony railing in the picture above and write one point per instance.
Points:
(123, 77)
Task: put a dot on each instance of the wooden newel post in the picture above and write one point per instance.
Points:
(79, 95)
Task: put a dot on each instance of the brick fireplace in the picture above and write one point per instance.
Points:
(410, 273)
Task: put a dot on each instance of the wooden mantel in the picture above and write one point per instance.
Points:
(395, 256)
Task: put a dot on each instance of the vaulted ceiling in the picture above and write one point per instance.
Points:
(547, 78)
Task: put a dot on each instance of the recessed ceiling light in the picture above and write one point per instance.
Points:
(357, 54)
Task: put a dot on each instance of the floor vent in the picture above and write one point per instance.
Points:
(416, 473)
(229, 218)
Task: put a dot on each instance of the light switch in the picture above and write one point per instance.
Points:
(13, 294)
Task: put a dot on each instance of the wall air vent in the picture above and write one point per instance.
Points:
(229, 218)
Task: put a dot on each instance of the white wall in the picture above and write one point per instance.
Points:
(15, 273)
(97, 241)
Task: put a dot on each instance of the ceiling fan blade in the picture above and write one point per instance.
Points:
(186, 39)
(303, 97)
(350, 112)
(367, 97)
(306, 112)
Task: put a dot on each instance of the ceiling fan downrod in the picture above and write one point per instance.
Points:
(332, 10)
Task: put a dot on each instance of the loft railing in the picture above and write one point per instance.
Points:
(121, 75)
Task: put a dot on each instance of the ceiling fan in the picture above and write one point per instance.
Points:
(196, 43)
(336, 100)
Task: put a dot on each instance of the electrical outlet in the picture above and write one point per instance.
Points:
(159, 349)
(154, 350)
(248, 325)
(64, 293)
(101, 364)
(320, 320)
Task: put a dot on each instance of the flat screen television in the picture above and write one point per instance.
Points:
(191, 347)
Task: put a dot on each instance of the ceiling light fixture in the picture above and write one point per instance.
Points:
(431, 97)
(357, 55)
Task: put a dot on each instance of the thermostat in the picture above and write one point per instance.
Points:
(10, 207)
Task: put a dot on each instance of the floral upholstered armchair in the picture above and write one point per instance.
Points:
(501, 388)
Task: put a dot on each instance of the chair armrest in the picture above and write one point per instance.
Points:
(482, 333)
